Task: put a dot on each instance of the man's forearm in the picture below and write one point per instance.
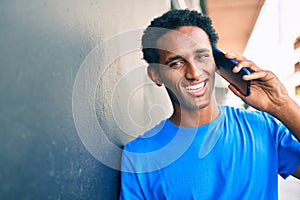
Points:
(289, 115)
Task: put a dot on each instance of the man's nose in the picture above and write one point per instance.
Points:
(193, 72)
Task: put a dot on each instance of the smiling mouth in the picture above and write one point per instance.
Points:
(196, 89)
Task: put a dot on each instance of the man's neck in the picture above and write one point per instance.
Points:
(192, 118)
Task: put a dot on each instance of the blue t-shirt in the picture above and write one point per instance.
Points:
(237, 156)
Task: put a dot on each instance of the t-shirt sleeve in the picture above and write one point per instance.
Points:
(130, 187)
(288, 152)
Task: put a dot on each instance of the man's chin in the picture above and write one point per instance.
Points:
(190, 103)
(194, 106)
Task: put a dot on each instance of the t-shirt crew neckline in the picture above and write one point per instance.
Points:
(186, 130)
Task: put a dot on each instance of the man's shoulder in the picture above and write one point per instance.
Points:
(252, 118)
(149, 140)
(245, 113)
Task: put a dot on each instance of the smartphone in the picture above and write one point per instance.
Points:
(224, 69)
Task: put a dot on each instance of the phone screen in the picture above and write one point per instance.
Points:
(224, 69)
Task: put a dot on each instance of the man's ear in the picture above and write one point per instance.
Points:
(154, 75)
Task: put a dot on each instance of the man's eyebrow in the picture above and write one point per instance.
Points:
(173, 58)
(202, 50)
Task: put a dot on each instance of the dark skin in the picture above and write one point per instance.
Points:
(187, 63)
(187, 70)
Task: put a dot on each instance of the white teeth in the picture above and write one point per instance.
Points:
(196, 87)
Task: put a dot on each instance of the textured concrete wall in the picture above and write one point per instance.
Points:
(72, 88)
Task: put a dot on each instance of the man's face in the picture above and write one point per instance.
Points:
(187, 66)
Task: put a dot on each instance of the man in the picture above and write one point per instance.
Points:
(207, 151)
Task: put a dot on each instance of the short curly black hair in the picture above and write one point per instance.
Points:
(172, 20)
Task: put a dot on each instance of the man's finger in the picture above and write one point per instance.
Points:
(234, 56)
(255, 75)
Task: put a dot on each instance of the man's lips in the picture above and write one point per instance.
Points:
(196, 89)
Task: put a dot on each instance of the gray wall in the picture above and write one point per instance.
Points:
(46, 149)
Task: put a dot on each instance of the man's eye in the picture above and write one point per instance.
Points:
(202, 56)
(175, 64)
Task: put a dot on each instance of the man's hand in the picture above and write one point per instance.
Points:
(268, 94)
